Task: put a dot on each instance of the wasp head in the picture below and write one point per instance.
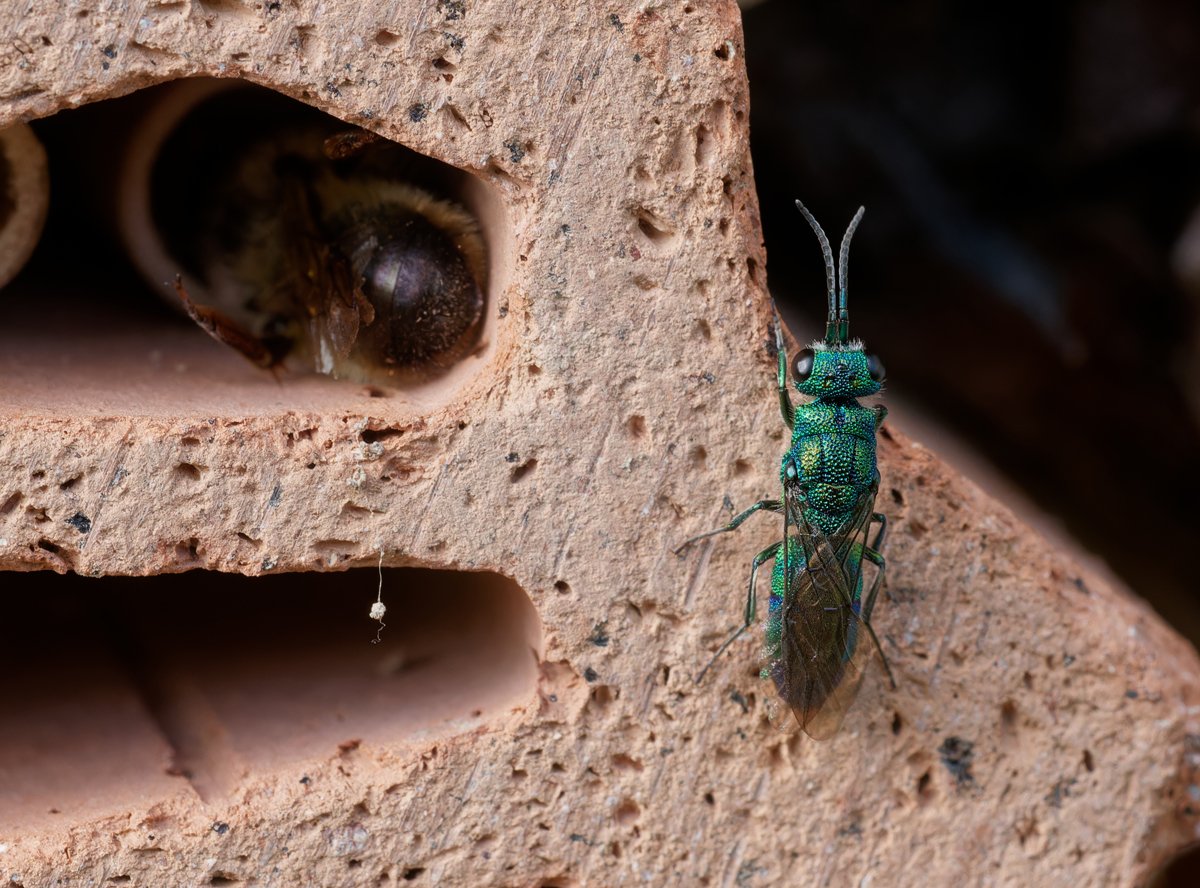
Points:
(835, 372)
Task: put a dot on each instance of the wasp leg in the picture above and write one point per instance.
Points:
(751, 604)
(881, 519)
(734, 524)
(785, 401)
(872, 555)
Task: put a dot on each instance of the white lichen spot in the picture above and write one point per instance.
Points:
(349, 839)
(368, 452)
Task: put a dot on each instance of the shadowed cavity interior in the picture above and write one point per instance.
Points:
(121, 689)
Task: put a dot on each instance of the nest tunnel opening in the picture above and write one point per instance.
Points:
(96, 306)
(125, 691)
(1181, 871)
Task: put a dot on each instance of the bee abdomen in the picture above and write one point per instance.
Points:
(425, 297)
(422, 281)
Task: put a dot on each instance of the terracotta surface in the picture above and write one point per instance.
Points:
(1043, 731)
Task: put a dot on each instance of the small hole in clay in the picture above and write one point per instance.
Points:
(523, 470)
(655, 230)
(752, 268)
(623, 762)
(1008, 717)
(703, 145)
(925, 788)
(627, 813)
(188, 471)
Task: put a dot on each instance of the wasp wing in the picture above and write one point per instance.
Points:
(823, 648)
(850, 540)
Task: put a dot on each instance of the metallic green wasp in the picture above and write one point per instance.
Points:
(814, 649)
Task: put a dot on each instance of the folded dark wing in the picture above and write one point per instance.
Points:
(824, 648)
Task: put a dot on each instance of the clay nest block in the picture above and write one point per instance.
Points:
(1041, 731)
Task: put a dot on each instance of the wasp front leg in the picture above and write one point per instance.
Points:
(785, 401)
(734, 524)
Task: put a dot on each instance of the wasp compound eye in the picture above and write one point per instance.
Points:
(802, 367)
(875, 368)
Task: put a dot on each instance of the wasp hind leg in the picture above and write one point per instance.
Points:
(751, 604)
(872, 555)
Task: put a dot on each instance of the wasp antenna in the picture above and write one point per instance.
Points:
(830, 274)
(844, 277)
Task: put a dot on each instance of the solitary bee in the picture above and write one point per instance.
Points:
(311, 239)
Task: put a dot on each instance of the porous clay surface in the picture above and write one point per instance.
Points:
(1042, 732)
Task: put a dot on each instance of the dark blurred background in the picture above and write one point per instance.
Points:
(1030, 172)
